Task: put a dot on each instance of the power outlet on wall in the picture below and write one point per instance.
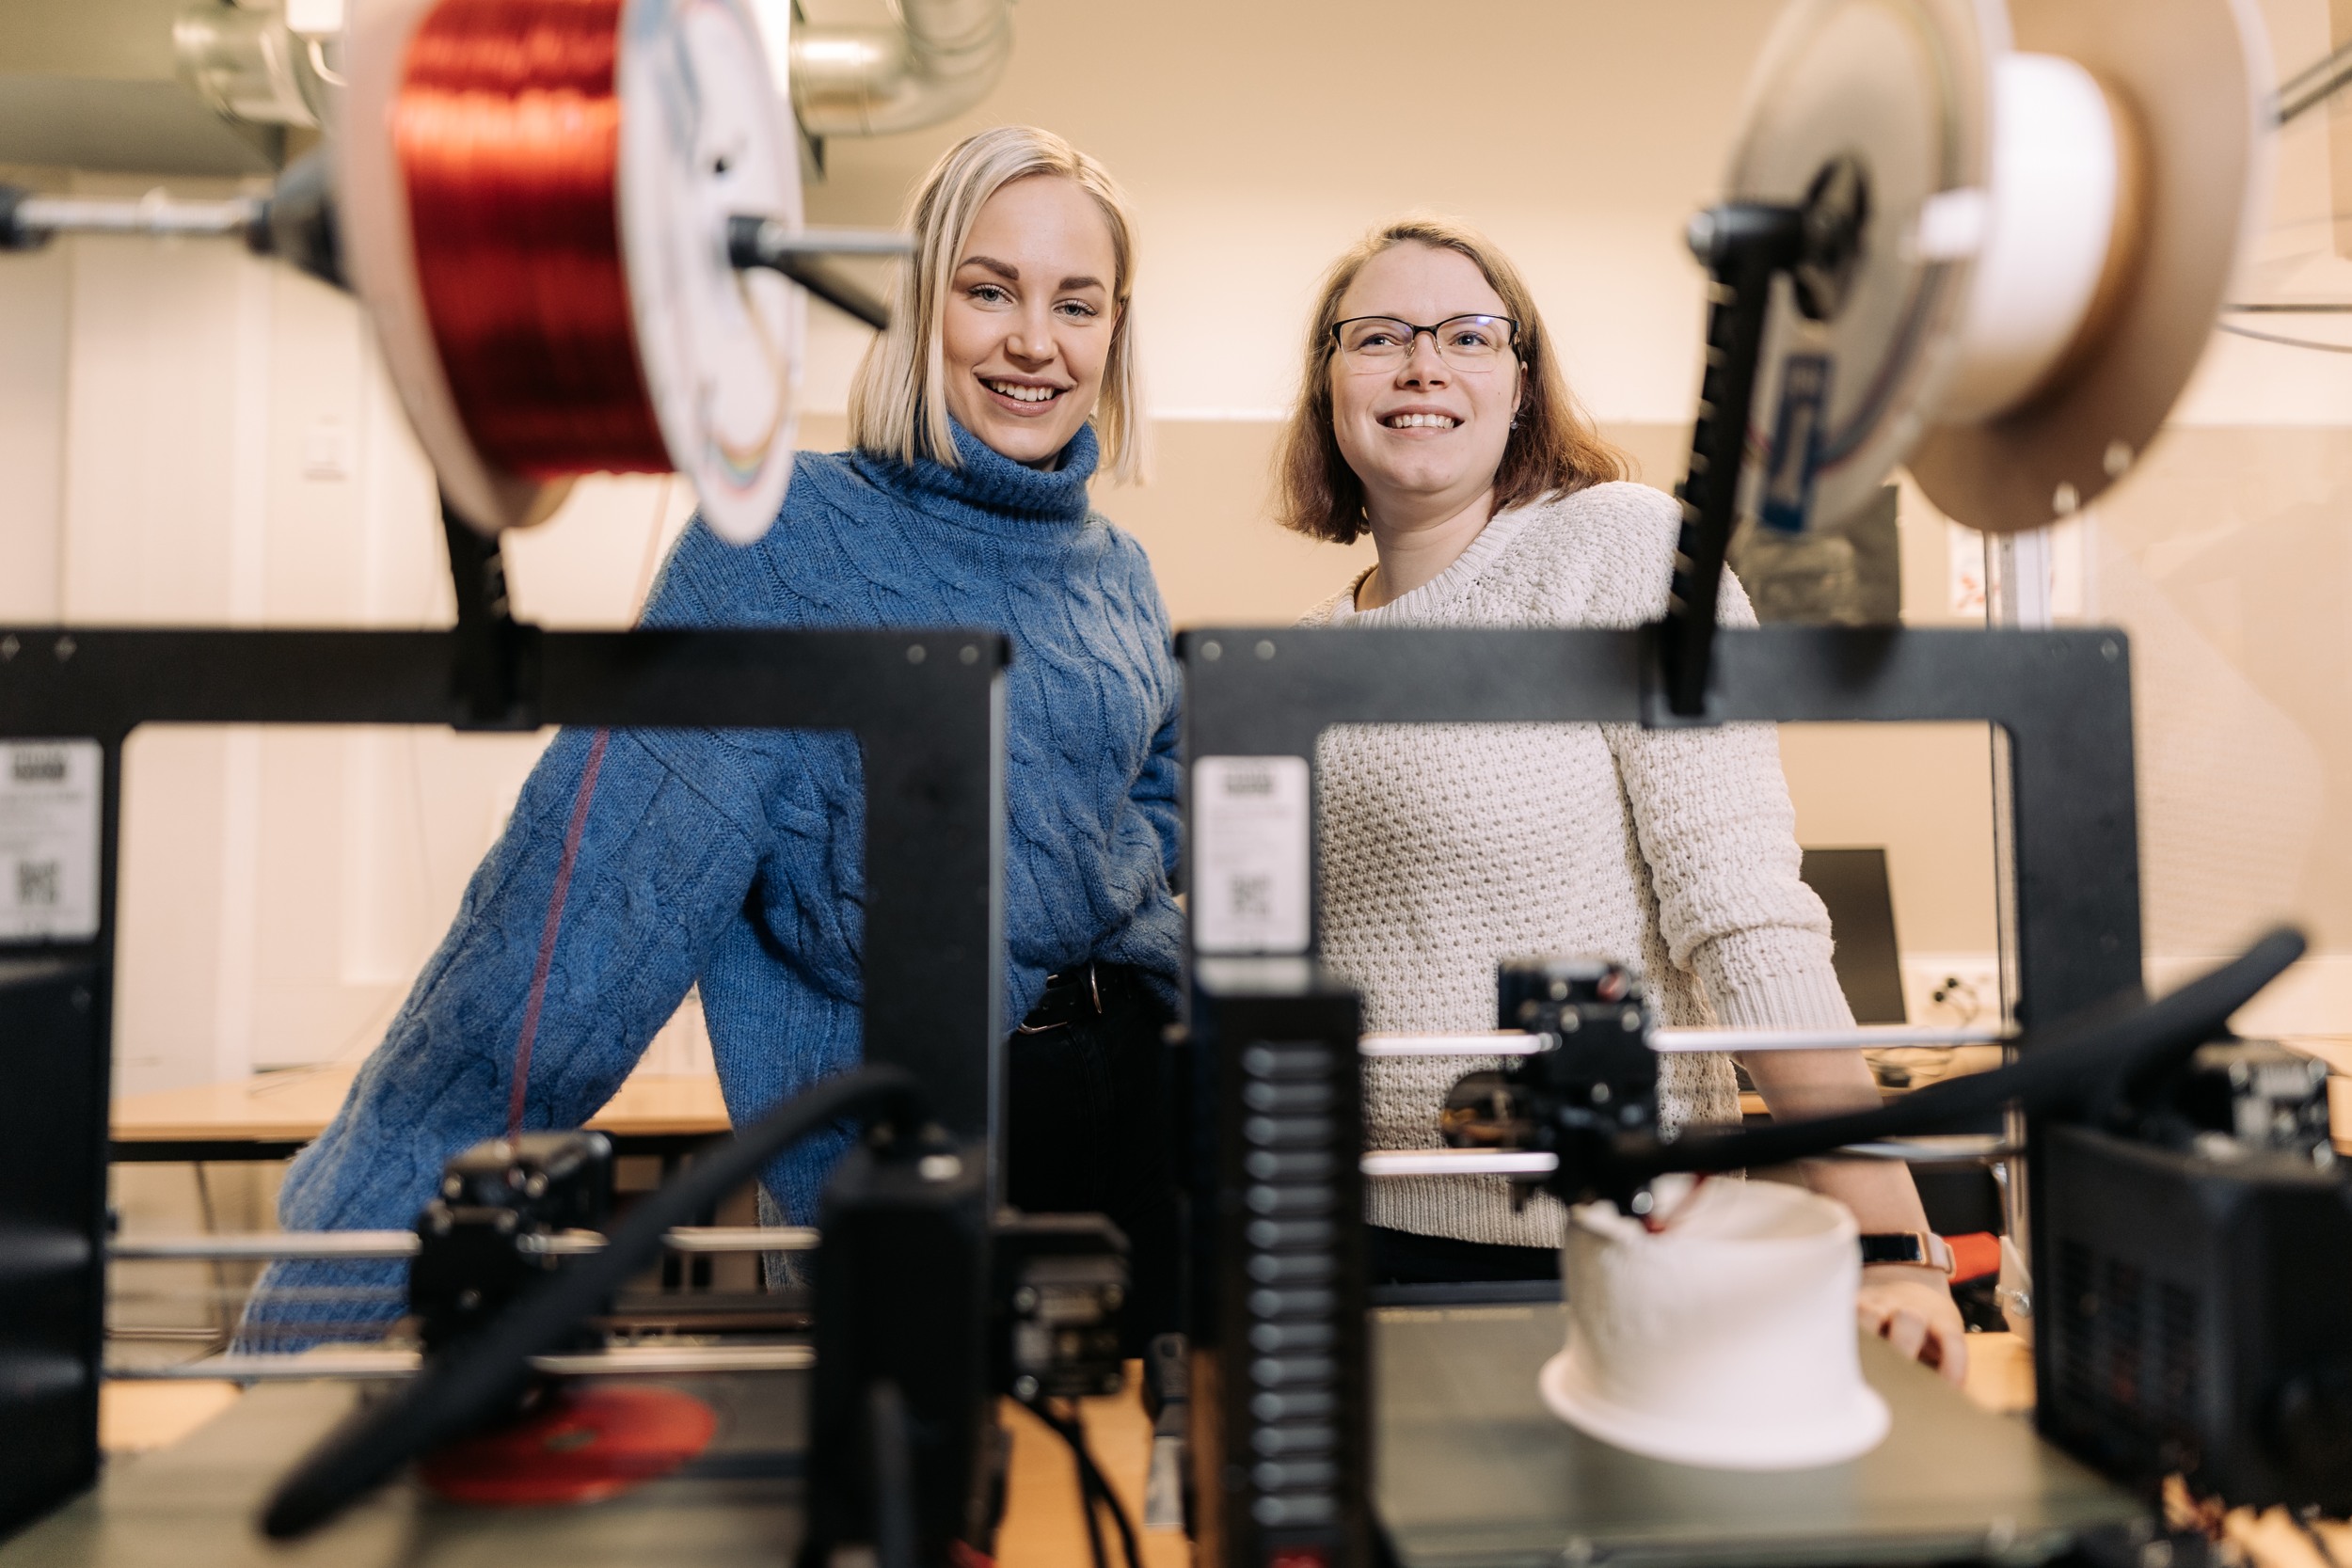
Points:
(1952, 990)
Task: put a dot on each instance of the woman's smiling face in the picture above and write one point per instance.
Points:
(1027, 327)
(1421, 433)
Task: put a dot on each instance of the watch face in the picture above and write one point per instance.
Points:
(1899, 1246)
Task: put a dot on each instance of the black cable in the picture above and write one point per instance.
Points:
(1093, 1487)
(484, 1375)
(893, 1475)
(2089, 1064)
(1069, 1431)
(1093, 1520)
(1107, 1498)
(2281, 337)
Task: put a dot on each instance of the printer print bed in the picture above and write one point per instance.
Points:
(1474, 1472)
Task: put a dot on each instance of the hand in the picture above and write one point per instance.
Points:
(1911, 1308)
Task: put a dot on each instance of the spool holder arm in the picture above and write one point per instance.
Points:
(758, 242)
(498, 657)
(1744, 245)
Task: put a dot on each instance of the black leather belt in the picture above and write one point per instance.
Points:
(1073, 995)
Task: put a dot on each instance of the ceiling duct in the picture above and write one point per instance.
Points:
(257, 64)
(209, 87)
(99, 84)
(941, 58)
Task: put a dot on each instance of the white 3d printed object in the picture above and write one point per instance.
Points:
(1725, 1340)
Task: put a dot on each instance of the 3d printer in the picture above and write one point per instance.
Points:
(2180, 1209)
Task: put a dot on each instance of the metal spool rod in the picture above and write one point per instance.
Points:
(1953, 1149)
(270, 226)
(1510, 1043)
(348, 1245)
(368, 1366)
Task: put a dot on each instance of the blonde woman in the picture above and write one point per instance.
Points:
(1433, 416)
(1007, 382)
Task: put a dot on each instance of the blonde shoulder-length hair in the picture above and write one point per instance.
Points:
(898, 401)
(1553, 449)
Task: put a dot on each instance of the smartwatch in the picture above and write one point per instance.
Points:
(1907, 1246)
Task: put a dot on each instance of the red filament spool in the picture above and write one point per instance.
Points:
(507, 129)
(535, 198)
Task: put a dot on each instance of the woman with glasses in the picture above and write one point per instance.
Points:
(1433, 415)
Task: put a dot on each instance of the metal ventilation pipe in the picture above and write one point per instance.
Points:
(260, 63)
(940, 60)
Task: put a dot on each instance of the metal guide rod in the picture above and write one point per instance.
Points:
(1935, 1149)
(362, 1366)
(29, 219)
(37, 217)
(345, 1245)
(297, 221)
(1512, 1042)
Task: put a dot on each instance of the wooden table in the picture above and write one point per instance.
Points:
(272, 1115)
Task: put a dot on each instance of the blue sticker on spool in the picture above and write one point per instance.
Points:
(1796, 443)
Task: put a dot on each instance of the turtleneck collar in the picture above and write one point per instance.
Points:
(988, 488)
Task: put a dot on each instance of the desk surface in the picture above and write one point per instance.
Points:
(294, 1106)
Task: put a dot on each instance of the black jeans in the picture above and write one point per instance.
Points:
(1407, 1258)
(1089, 1131)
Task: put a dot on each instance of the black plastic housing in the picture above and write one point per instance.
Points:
(1061, 1281)
(2198, 1314)
(1281, 1377)
(482, 1241)
(902, 1297)
(53, 1282)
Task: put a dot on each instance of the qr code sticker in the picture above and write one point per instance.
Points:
(1253, 896)
(39, 883)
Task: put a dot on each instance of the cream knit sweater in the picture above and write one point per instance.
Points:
(1447, 847)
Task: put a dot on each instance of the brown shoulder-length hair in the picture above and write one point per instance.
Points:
(1553, 449)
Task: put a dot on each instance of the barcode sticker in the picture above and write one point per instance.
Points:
(1250, 855)
(49, 805)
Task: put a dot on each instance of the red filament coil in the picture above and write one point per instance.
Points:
(507, 129)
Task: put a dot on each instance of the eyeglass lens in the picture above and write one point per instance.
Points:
(1466, 343)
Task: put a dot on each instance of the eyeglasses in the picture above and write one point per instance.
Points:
(1465, 342)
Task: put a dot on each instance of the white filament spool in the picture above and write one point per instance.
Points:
(2056, 195)
(1898, 86)
(2049, 230)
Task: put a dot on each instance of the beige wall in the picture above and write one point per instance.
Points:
(1257, 140)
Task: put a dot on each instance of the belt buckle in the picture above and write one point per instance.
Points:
(1094, 994)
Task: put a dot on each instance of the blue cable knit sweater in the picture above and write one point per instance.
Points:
(734, 859)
